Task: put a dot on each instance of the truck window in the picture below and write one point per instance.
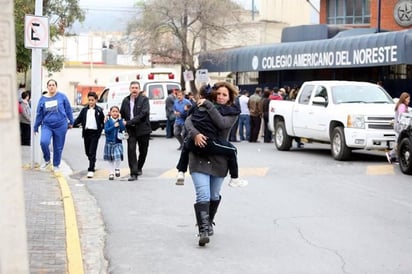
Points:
(171, 87)
(305, 94)
(321, 92)
(156, 92)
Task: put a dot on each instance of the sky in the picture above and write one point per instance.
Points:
(105, 15)
(129, 3)
(109, 15)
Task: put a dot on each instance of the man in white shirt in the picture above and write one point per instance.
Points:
(244, 117)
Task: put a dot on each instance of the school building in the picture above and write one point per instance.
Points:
(355, 40)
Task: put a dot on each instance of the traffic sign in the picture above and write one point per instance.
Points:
(36, 32)
(202, 75)
(188, 75)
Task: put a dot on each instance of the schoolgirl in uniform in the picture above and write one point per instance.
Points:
(113, 148)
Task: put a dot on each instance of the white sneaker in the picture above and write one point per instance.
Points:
(180, 180)
(238, 182)
(57, 171)
(45, 165)
(90, 174)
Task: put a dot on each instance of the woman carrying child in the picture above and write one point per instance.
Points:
(113, 148)
(206, 117)
(209, 170)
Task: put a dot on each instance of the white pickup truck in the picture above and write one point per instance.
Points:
(348, 115)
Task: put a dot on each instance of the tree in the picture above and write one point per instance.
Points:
(176, 31)
(62, 14)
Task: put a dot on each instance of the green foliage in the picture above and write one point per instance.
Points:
(62, 14)
(53, 62)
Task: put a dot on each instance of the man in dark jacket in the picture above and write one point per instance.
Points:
(170, 114)
(135, 111)
(91, 129)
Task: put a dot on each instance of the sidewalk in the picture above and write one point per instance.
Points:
(49, 239)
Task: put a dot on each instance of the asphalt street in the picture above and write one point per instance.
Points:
(302, 212)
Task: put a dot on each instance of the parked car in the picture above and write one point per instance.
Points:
(404, 148)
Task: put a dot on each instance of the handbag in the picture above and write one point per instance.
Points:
(122, 135)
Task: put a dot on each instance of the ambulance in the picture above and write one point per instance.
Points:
(154, 83)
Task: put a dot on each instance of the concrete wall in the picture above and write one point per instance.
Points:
(13, 247)
(290, 12)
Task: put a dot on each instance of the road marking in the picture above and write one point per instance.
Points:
(380, 170)
(243, 172)
(73, 246)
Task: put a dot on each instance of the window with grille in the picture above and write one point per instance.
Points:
(348, 12)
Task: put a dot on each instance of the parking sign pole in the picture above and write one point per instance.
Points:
(36, 89)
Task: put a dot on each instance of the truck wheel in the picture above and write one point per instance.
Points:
(340, 151)
(282, 140)
(405, 155)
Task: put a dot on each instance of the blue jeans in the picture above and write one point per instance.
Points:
(207, 187)
(244, 124)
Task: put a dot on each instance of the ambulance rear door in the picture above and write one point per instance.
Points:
(157, 93)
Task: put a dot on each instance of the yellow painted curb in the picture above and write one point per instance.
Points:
(73, 247)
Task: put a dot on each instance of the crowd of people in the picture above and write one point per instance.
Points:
(254, 113)
(204, 126)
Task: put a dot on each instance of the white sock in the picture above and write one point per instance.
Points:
(111, 167)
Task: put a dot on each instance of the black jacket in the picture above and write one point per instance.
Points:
(140, 124)
(81, 119)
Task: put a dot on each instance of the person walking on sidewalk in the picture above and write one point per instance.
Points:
(92, 120)
(135, 111)
(54, 115)
(113, 148)
(209, 171)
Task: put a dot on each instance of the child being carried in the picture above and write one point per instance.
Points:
(204, 123)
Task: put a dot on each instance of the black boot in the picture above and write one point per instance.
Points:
(214, 204)
(202, 217)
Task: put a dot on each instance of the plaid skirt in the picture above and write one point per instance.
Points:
(113, 151)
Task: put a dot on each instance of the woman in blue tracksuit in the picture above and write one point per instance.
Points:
(54, 115)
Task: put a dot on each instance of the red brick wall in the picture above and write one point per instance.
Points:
(323, 12)
(387, 20)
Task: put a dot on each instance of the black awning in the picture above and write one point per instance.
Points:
(379, 49)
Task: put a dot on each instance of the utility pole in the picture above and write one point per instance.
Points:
(36, 89)
(253, 10)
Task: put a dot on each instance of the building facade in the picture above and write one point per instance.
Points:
(352, 44)
(391, 15)
(90, 60)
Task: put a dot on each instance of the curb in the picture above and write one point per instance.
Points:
(74, 252)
